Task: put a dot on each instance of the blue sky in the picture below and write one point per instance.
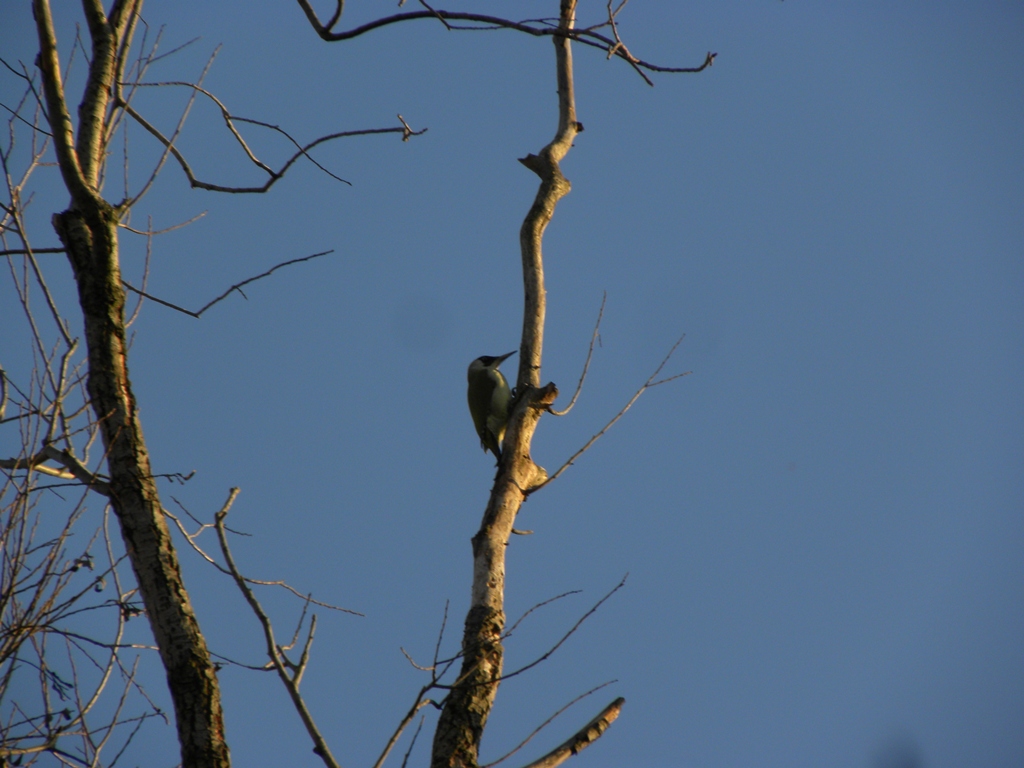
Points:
(823, 523)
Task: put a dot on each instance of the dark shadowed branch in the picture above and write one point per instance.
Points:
(236, 287)
(273, 176)
(479, 22)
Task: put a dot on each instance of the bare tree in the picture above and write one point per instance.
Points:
(79, 423)
(53, 443)
(470, 699)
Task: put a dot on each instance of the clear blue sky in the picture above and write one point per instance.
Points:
(823, 524)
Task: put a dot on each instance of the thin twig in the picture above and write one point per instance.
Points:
(73, 468)
(440, 634)
(651, 382)
(582, 739)
(190, 538)
(412, 661)
(416, 735)
(420, 704)
(24, 251)
(235, 287)
(319, 743)
(300, 668)
(439, 16)
(274, 176)
(145, 270)
(546, 723)
(568, 634)
(165, 230)
(510, 630)
(586, 365)
(169, 148)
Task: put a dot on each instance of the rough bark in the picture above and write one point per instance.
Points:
(90, 238)
(88, 230)
(468, 705)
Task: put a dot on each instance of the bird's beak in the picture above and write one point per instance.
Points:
(503, 358)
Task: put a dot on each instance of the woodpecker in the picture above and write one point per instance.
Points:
(489, 400)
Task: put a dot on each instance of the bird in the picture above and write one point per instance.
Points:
(489, 398)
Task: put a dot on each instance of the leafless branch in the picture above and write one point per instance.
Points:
(547, 654)
(420, 704)
(169, 148)
(42, 589)
(273, 651)
(298, 626)
(302, 150)
(412, 742)
(73, 468)
(482, 22)
(151, 232)
(510, 630)
(652, 381)
(412, 661)
(235, 287)
(191, 539)
(586, 365)
(24, 251)
(229, 121)
(546, 723)
(439, 17)
(583, 738)
(145, 273)
(266, 667)
(440, 634)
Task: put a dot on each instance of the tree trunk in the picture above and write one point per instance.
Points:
(88, 230)
(467, 707)
(90, 237)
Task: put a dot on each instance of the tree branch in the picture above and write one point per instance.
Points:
(546, 723)
(276, 656)
(56, 105)
(652, 381)
(93, 108)
(469, 702)
(582, 739)
(483, 22)
(547, 654)
(273, 176)
(586, 363)
(235, 287)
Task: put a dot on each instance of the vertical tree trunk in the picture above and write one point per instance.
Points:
(468, 705)
(90, 238)
(88, 230)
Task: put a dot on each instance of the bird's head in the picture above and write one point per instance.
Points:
(486, 362)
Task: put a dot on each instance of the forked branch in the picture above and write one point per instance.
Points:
(652, 381)
(273, 176)
(289, 673)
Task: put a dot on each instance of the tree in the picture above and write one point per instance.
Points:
(73, 403)
(821, 527)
